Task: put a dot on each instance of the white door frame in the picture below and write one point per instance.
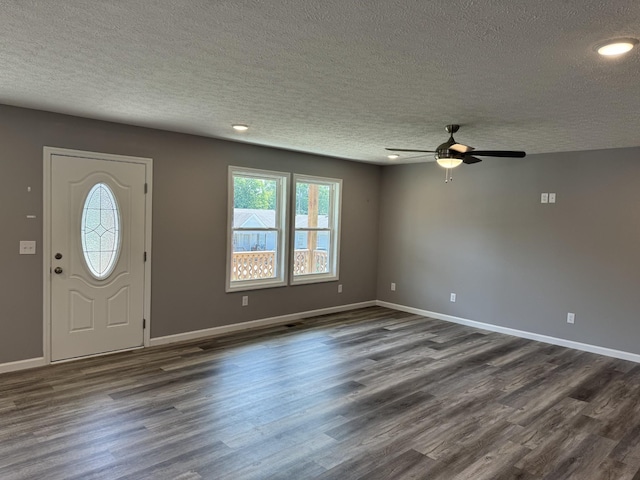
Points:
(46, 244)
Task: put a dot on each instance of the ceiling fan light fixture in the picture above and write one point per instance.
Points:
(617, 46)
(447, 160)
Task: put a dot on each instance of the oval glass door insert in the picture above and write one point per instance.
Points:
(100, 231)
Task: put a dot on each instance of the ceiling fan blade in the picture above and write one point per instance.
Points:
(459, 147)
(409, 150)
(499, 153)
(413, 157)
(469, 160)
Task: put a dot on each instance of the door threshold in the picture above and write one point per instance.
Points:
(94, 355)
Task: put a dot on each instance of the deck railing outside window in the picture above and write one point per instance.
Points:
(260, 264)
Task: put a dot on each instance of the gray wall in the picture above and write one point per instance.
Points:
(189, 225)
(513, 261)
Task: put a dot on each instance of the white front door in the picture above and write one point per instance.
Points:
(97, 247)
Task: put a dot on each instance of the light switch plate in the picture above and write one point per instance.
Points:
(544, 198)
(27, 247)
(552, 198)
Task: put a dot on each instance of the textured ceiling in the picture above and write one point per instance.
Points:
(344, 78)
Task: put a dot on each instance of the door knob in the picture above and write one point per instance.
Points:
(58, 270)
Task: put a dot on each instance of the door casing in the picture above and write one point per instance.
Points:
(48, 152)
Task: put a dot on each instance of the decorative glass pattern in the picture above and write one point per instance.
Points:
(100, 231)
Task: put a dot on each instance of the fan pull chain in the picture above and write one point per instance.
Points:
(448, 177)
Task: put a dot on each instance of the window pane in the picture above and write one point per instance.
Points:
(254, 256)
(314, 256)
(254, 202)
(312, 205)
(100, 231)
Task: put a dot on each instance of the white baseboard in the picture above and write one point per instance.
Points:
(22, 364)
(609, 352)
(263, 322)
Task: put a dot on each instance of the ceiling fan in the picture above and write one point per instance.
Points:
(450, 154)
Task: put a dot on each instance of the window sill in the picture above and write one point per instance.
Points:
(311, 278)
(245, 286)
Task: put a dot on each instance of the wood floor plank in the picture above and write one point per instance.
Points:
(611, 469)
(409, 464)
(494, 464)
(365, 394)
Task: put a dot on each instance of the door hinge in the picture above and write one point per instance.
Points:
(144, 323)
(144, 257)
(146, 187)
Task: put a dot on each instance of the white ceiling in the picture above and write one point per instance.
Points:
(344, 78)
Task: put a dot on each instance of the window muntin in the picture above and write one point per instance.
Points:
(100, 231)
(257, 226)
(316, 229)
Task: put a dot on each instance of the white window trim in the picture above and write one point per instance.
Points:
(335, 220)
(282, 223)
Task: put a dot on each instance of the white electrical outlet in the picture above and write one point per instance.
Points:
(552, 198)
(452, 298)
(340, 288)
(571, 318)
(544, 198)
(393, 287)
(245, 300)
(27, 247)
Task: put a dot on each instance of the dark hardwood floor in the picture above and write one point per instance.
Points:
(371, 394)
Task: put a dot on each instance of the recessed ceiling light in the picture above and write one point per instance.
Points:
(393, 156)
(617, 46)
(239, 127)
